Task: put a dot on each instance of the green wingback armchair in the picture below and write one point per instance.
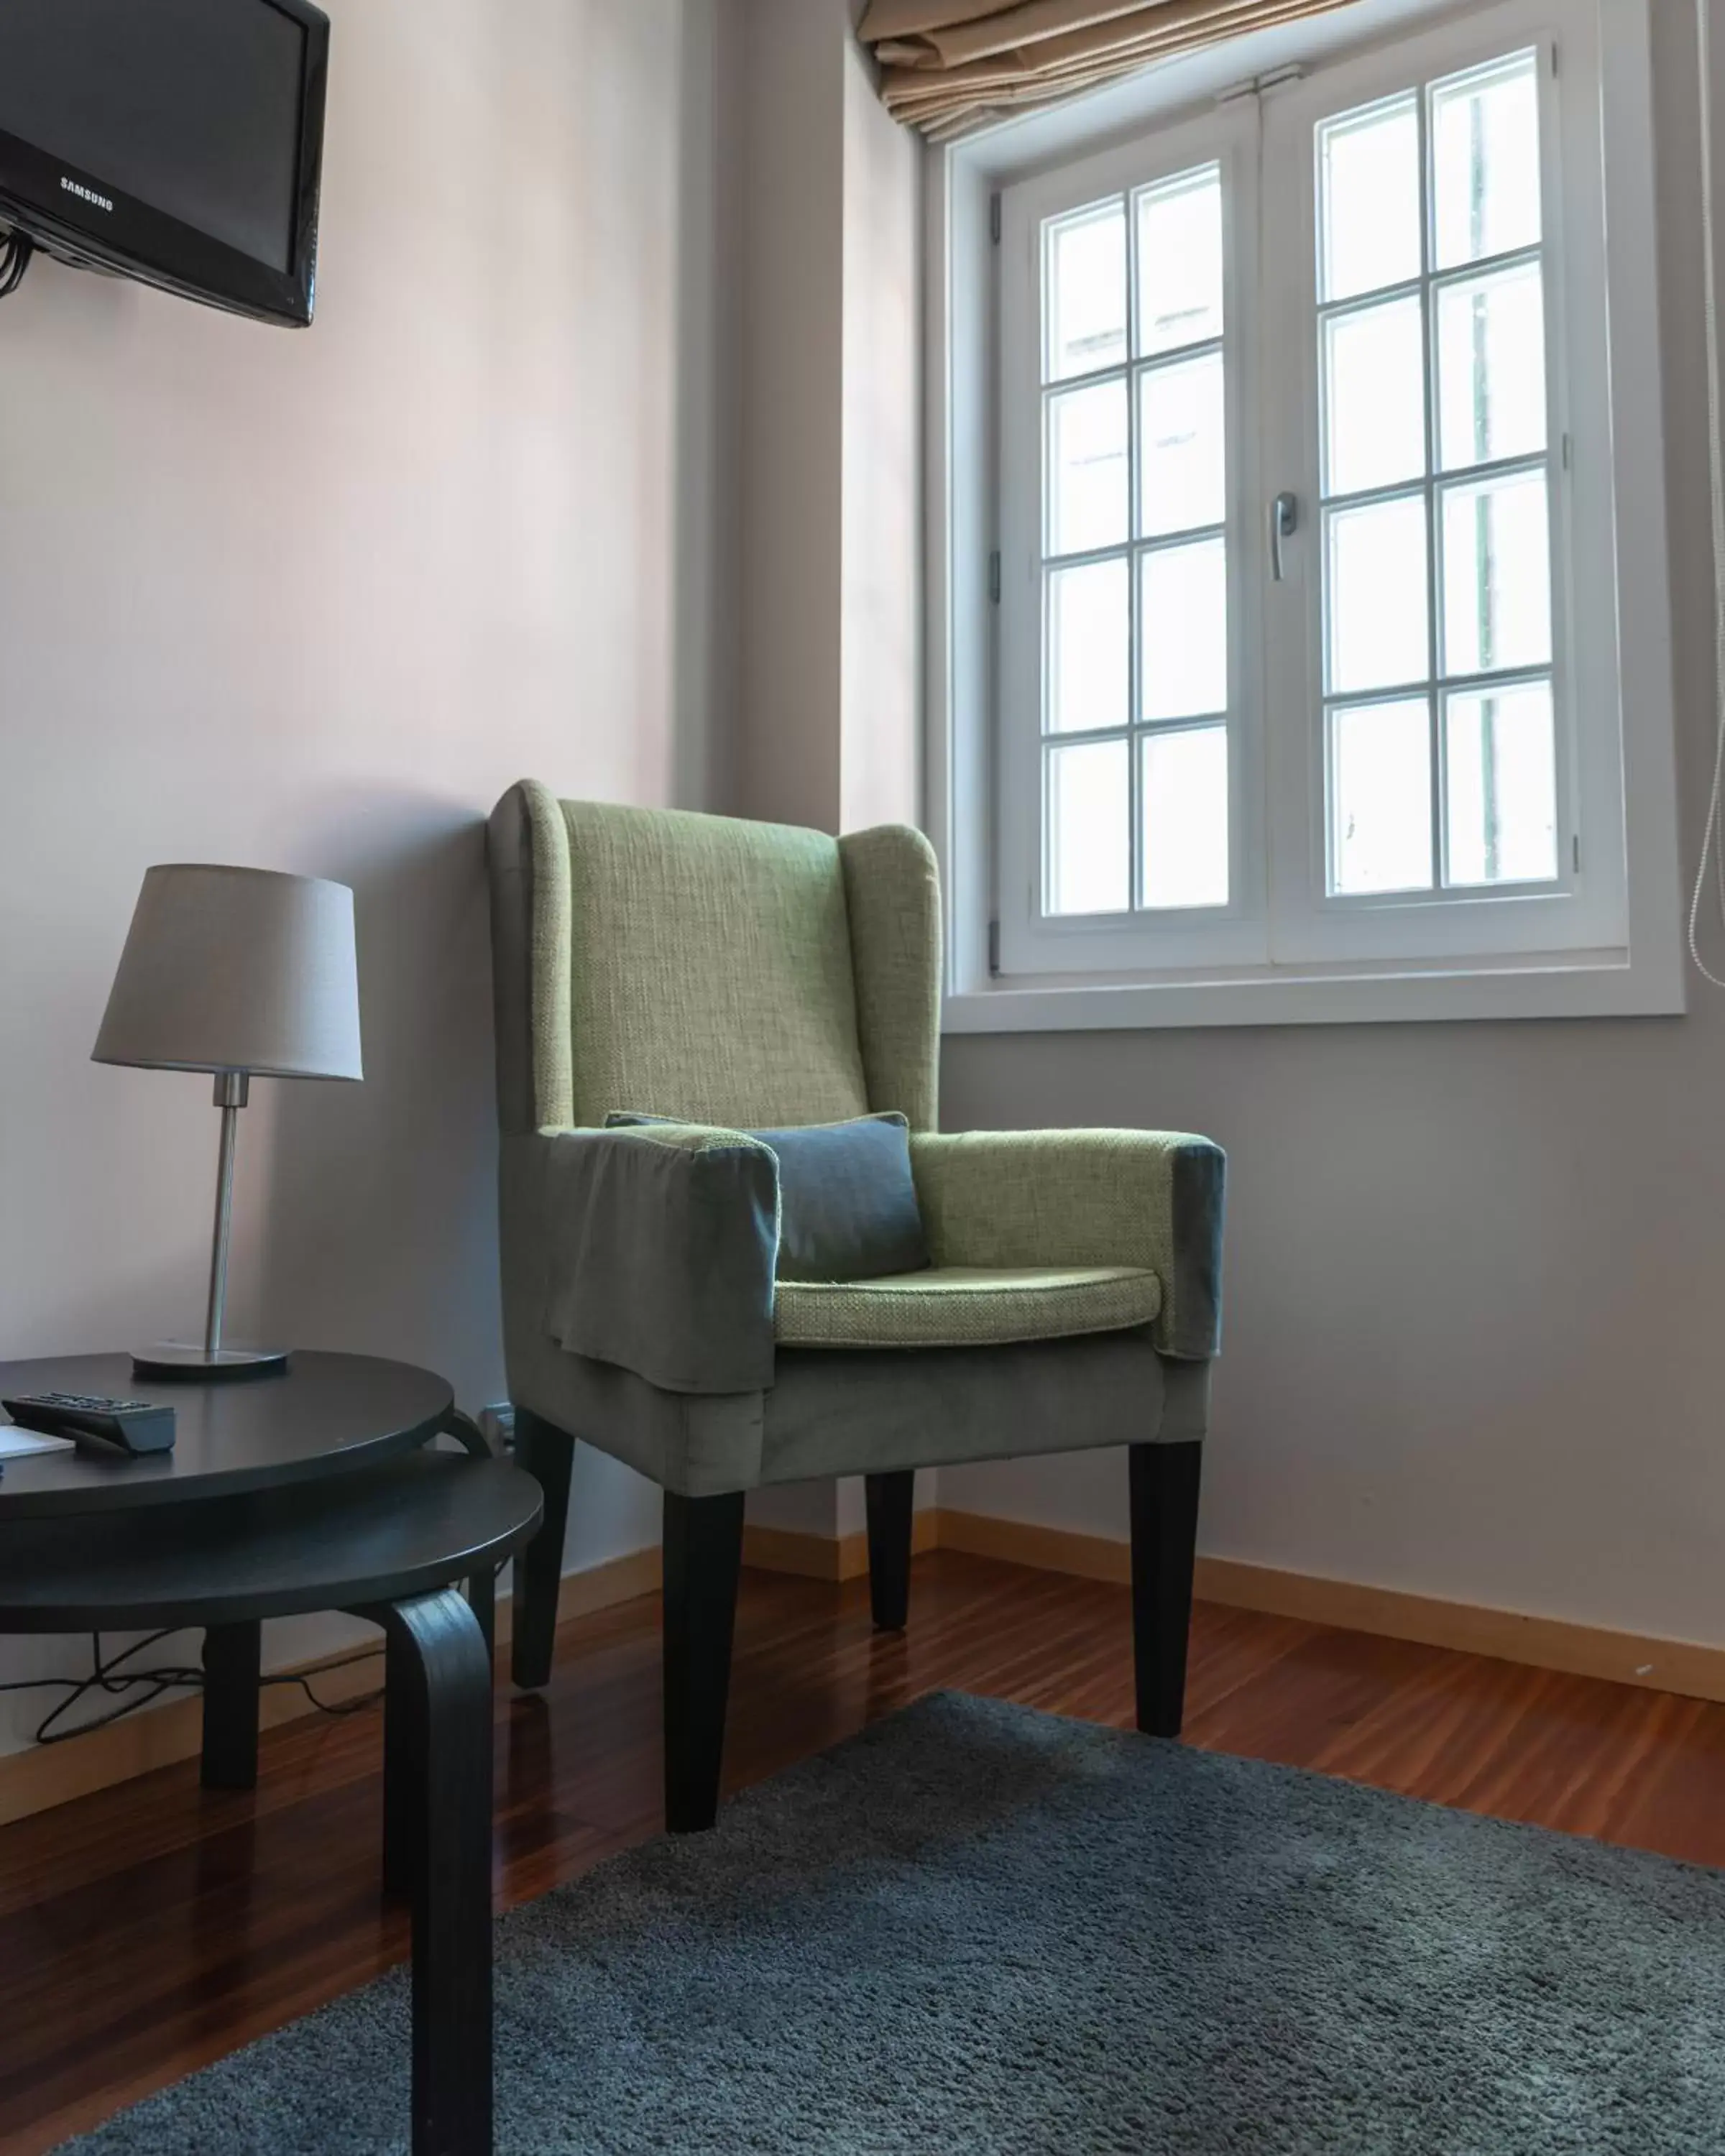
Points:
(739, 976)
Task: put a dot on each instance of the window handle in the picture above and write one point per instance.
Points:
(1284, 523)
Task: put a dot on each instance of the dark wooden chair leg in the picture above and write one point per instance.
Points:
(892, 1503)
(444, 1686)
(548, 1453)
(1164, 1519)
(703, 1557)
(232, 1657)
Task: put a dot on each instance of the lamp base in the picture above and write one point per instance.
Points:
(183, 1360)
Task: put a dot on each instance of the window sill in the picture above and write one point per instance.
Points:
(1588, 987)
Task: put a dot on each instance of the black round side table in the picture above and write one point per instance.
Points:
(257, 1532)
(321, 1415)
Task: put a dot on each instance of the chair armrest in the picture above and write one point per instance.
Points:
(1149, 1199)
(661, 1244)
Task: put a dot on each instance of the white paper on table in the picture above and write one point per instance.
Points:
(16, 1444)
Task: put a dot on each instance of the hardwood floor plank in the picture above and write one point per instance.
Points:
(148, 1929)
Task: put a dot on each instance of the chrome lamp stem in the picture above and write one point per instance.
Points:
(232, 1088)
(182, 1360)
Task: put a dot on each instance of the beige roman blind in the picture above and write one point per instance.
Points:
(952, 66)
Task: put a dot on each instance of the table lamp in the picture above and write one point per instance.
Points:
(244, 972)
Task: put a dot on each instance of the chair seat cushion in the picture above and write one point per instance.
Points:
(964, 1306)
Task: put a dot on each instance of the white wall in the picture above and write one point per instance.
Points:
(881, 663)
(829, 496)
(1476, 1274)
(790, 505)
(312, 602)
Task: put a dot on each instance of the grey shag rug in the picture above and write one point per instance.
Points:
(979, 1931)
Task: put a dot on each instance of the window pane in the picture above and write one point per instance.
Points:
(1376, 595)
(1500, 777)
(1182, 446)
(1088, 833)
(1484, 157)
(1368, 199)
(1087, 468)
(1183, 606)
(1380, 797)
(1491, 333)
(1184, 777)
(1180, 262)
(1497, 575)
(1374, 397)
(1086, 305)
(1089, 647)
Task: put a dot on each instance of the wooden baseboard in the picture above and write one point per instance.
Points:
(1049, 1549)
(48, 1775)
(826, 1556)
(601, 1586)
(1685, 1666)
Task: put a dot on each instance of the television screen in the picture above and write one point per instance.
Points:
(133, 132)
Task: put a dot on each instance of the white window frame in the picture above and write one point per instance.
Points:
(1029, 941)
(1586, 910)
(1612, 944)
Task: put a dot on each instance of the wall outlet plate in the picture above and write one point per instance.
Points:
(497, 1422)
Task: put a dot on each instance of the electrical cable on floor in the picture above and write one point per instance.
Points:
(1712, 836)
(104, 1677)
(15, 253)
(339, 1706)
(155, 1682)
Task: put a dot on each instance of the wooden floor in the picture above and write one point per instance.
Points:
(150, 1928)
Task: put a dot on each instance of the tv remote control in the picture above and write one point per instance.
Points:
(132, 1427)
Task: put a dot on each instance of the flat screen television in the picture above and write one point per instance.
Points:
(180, 141)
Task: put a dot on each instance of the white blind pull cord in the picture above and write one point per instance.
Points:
(1713, 844)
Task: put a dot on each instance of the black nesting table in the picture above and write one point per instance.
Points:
(285, 1494)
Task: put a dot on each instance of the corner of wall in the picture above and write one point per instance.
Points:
(828, 727)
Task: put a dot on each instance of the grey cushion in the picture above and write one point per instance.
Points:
(848, 1207)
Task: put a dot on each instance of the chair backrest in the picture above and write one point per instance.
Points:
(749, 974)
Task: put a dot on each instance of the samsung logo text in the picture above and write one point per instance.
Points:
(87, 194)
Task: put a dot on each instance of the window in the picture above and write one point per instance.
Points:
(1134, 572)
(1122, 605)
(1448, 675)
(1312, 476)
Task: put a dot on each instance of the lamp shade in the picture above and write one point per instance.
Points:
(237, 969)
